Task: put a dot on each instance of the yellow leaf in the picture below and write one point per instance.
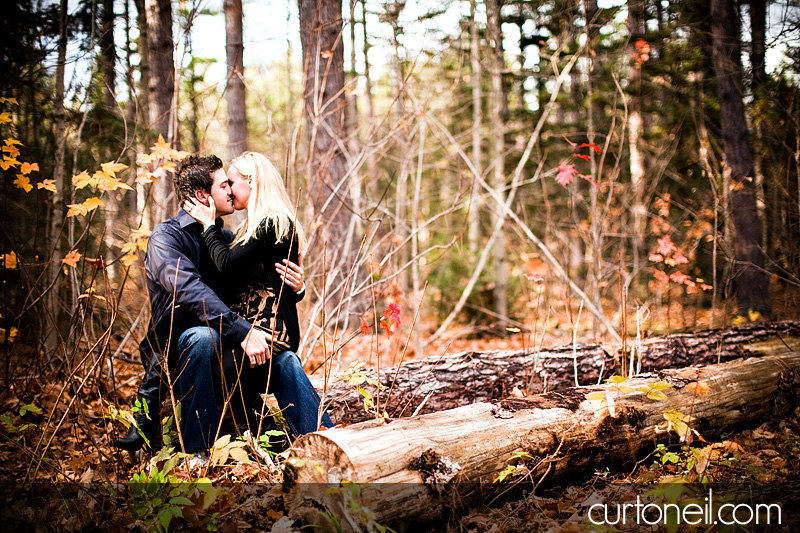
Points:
(11, 141)
(11, 336)
(3, 100)
(169, 166)
(601, 396)
(49, 185)
(5, 117)
(112, 168)
(8, 162)
(128, 247)
(27, 168)
(22, 182)
(753, 315)
(739, 320)
(177, 155)
(615, 379)
(84, 208)
(110, 183)
(82, 180)
(660, 385)
(11, 150)
(240, 455)
(10, 260)
(72, 258)
(128, 260)
(161, 148)
(657, 395)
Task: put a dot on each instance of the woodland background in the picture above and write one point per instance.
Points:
(518, 172)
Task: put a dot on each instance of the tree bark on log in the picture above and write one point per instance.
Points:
(412, 469)
(469, 377)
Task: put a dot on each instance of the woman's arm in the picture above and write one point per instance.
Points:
(224, 257)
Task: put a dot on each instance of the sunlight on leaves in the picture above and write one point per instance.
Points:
(84, 208)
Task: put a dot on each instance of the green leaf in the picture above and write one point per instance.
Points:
(29, 408)
(164, 517)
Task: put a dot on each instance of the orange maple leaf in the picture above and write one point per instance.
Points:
(72, 258)
(698, 387)
(364, 326)
(27, 168)
(22, 182)
(11, 150)
(49, 185)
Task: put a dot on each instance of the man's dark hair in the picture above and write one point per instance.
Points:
(193, 174)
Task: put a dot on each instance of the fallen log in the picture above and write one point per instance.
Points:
(411, 469)
(468, 377)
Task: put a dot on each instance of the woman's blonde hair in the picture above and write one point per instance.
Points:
(268, 200)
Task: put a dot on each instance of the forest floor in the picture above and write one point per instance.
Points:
(82, 483)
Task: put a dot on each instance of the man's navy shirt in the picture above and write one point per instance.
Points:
(178, 265)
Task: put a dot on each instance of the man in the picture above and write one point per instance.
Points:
(203, 341)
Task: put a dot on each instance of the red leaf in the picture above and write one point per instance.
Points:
(582, 156)
(391, 318)
(590, 145)
(589, 179)
(566, 173)
(364, 326)
(665, 245)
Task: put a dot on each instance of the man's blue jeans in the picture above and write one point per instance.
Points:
(203, 367)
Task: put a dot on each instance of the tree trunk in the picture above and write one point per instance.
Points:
(475, 83)
(58, 199)
(497, 150)
(162, 202)
(411, 462)
(468, 377)
(752, 281)
(108, 62)
(328, 185)
(235, 92)
(374, 183)
(636, 28)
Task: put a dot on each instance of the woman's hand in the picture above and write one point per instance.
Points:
(202, 213)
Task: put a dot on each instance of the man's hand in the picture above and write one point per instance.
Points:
(291, 274)
(256, 346)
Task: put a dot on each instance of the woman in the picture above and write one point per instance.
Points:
(252, 286)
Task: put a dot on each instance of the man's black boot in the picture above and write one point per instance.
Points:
(134, 441)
